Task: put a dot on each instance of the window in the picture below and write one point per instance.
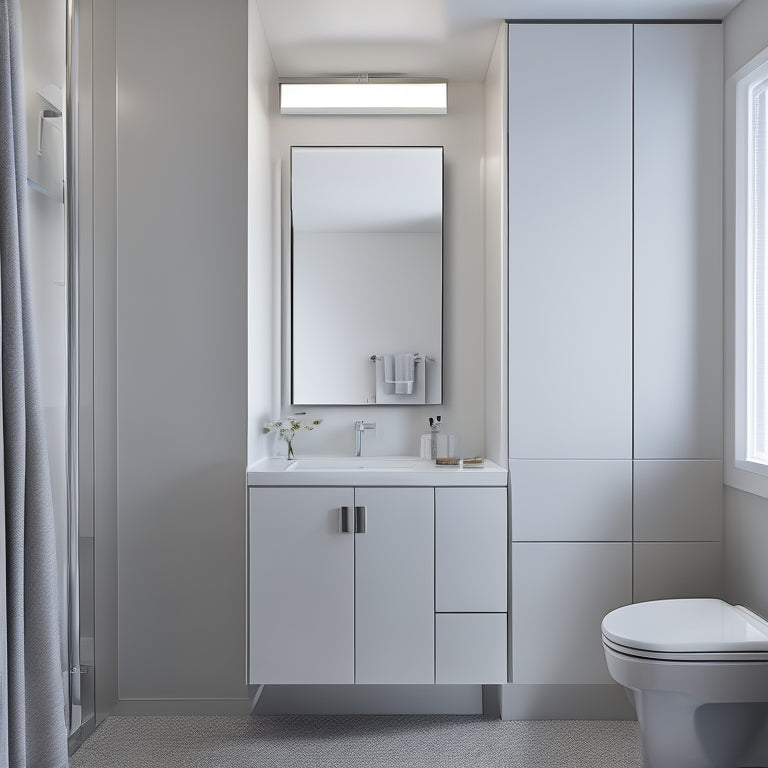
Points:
(757, 277)
(750, 94)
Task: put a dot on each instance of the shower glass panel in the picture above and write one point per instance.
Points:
(48, 28)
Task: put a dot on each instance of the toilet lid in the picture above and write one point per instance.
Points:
(686, 626)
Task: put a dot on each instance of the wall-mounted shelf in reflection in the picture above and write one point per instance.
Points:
(45, 173)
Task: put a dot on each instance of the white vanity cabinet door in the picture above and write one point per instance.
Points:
(471, 550)
(394, 586)
(570, 241)
(678, 241)
(301, 579)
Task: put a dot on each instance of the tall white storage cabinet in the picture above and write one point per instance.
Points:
(614, 312)
(678, 433)
(570, 241)
(570, 357)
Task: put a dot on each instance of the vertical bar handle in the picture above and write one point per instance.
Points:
(361, 519)
(345, 522)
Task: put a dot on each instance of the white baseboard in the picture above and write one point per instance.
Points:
(182, 707)
(565, 702)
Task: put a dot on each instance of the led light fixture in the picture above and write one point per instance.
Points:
(352, 97)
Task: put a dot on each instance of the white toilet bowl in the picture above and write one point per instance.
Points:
(697, 673)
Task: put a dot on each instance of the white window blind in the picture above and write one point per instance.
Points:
(756, 431)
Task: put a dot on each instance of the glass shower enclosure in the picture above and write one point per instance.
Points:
(49, 36)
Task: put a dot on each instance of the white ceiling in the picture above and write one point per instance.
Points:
(450, 39)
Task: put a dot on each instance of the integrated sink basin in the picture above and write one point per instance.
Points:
(351, 471)
(345, 464)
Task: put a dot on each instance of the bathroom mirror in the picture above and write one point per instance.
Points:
(366, 275)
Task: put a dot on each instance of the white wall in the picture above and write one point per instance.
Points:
(496, 342)
(745, 34)
(745, 532)
(461, 131)
(182, 185)
(263, 242)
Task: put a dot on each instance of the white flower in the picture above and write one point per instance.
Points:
(287, 428)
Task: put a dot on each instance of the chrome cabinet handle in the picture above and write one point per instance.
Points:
(361, 519)
(345, 522)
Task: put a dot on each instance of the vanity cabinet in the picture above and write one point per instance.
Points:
(374, 585)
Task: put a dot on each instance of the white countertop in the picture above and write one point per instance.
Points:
(378, 471)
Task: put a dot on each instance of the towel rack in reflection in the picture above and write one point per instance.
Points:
(417, 358)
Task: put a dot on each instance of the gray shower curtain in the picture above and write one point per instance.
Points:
(33, 732)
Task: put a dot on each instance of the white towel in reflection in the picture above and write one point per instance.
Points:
(399, 370)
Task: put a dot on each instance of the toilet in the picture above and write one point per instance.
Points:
(697, 674)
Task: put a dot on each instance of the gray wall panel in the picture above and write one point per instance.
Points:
(182, 268)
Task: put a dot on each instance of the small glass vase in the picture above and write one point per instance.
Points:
(290, 448)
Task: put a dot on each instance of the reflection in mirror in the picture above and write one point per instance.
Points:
(367, 258)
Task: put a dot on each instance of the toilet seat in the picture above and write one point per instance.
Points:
(700, 657)
(696, 630)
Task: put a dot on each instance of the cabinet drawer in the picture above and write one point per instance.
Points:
(471, 550)
(471, 648)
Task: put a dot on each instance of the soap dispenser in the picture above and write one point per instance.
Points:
(429, 439)
(438, 445)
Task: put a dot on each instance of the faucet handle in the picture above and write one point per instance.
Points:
(360, 428)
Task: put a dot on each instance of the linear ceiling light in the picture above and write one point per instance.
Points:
(363, 98)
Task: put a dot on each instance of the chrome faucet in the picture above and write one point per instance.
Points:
(360, 427)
